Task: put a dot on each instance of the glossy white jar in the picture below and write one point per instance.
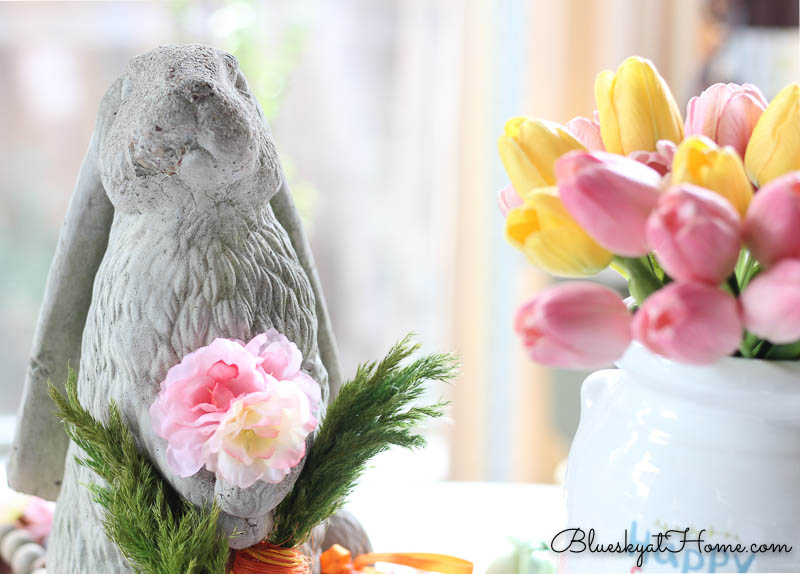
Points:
(663, 446)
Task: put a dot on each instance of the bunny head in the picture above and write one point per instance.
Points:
(185, 131)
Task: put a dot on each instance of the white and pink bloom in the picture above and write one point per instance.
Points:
(690, 322)
(195, 396)
(575, 324)
(610, 196)
(261, 437)
(199, 394)
(696, 234)
(279, 358)
(726, 113)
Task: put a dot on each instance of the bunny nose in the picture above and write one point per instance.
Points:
(198, 90)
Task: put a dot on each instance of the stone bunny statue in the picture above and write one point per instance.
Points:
(181, 229)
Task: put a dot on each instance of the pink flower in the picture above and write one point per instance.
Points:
(261, 437)
(575, 324)
(279, 358)
(610, 196)
(771, 303)
(773, 219)
(689, 322)
(659, 160)
(508, 199)
(696, 234)
(587, 132)
(208, 387)
(37, 518)
(195, 396)
(726, 113)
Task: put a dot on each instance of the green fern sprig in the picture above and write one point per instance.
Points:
(371, 413)
(156, 532)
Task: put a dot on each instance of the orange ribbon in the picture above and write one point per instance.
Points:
(265, 558)
(337, 560)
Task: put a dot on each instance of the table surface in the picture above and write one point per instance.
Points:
(471, 520)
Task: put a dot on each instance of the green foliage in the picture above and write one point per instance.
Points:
(156, 531)
(644, 275)
(371, 413)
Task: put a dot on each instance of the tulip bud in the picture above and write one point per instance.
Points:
(689, 322)
(696, 234)
(774, 146)
(700, 161)
(771, 303)
(508, 199)
(587, 132)
(772, 224)
(577, 324)
(659, 160)
(551, 239)
(636, 108)
(529, 150)
(610, 196)
(726, 114)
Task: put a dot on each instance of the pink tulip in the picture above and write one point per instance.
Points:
(508, 199)
(696, 234)
(610, 196)
(576, 324)
(726, 113)
(773, 220)
(771, 303)
(587, 132)
(659, 160)
(689, 322)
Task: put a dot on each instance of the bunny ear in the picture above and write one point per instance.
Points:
(286, 212)
(36, 462)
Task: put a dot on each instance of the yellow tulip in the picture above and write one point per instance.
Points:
(700, 161)
(774, 146)
(529, 150)
(551, 239)
(636, 108)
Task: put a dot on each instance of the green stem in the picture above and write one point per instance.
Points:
(642, 280)
(763, 350)
(746, 268)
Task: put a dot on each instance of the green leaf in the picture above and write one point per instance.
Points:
(642, 275)
(784, 352)
(371, 413)
(155, 531)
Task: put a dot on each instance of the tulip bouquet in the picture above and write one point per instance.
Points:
(702, 219)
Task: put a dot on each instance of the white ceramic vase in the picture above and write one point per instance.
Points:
(662, 446)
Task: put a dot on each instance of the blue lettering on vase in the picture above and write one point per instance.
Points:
(686, 556)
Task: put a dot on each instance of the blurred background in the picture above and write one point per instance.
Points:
(386, 114)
